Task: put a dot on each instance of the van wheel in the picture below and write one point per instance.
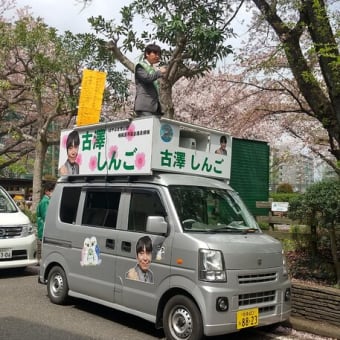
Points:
(57, 287)
(182, 319)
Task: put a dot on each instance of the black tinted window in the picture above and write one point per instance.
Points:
(69, 204)
(101, 208)
(142, 205)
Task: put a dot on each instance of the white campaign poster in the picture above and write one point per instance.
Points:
(107, 149)
(171, 153)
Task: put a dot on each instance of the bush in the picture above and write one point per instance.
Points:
(264, 225)
(284, 188)
(31, 215)
(284, 197)
(299, 236)
(319, 208)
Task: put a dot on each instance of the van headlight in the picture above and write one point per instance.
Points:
(27, 229)
(211, 266)
(284, 265)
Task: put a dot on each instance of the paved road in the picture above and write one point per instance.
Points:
(27, 313)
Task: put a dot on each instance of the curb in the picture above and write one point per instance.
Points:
(314, 327)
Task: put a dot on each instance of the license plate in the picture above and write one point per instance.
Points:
(5, 254)
(247, 318)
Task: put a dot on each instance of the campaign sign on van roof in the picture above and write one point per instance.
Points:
(140, 146)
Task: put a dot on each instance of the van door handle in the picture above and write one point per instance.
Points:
(126, 246)
(110, 243)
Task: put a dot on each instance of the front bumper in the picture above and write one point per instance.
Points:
(24, 252)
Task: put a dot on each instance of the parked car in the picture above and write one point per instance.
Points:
(18, 244)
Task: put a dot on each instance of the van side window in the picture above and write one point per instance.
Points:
(142, 205)
(101, 208)
(69, 204)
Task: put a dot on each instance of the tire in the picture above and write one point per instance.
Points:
(182, 319)
(57, 286)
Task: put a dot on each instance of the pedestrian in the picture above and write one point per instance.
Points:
(223, 144)
(147, 85)
(41, 214)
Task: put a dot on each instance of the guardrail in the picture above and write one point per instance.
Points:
(273, 217)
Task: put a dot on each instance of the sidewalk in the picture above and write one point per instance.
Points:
(315, 327)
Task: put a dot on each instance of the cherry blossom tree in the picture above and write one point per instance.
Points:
(291, 41)
(294, 46)
(253, 110)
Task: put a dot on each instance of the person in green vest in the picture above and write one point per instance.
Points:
(41, 214)
(147, 85)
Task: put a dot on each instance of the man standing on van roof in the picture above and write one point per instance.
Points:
(147, 85)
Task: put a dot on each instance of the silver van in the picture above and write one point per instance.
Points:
(181, 251)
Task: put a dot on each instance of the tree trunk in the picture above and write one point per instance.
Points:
(166, 99)
(323, 109)
(332, 236)
(313, 240)
(321, 32)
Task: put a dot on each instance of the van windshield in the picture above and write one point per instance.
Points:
(202, 209)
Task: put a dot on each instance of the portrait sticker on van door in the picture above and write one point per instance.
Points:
(141, 271)
(90, 254)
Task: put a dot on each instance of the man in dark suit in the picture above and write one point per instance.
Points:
(147, 85)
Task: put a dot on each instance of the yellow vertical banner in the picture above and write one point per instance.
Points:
(91, 97)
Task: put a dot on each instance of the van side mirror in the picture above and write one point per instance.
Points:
(156, 225)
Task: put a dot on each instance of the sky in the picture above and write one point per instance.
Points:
(70, 14)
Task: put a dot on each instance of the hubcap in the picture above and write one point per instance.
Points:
(181, 323)
(57, 285)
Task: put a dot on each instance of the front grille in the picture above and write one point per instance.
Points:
(16, 256)
(256, 278)
(10, 232)
(266, 309)
(256, 298)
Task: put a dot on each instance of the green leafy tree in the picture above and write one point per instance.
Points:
(39, 85)
(319, 207)
(193, 33)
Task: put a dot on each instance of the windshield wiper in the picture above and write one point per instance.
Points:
(236, 226)
(225, 227)
(249, 230)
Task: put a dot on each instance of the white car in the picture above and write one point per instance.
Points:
(18, 244)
